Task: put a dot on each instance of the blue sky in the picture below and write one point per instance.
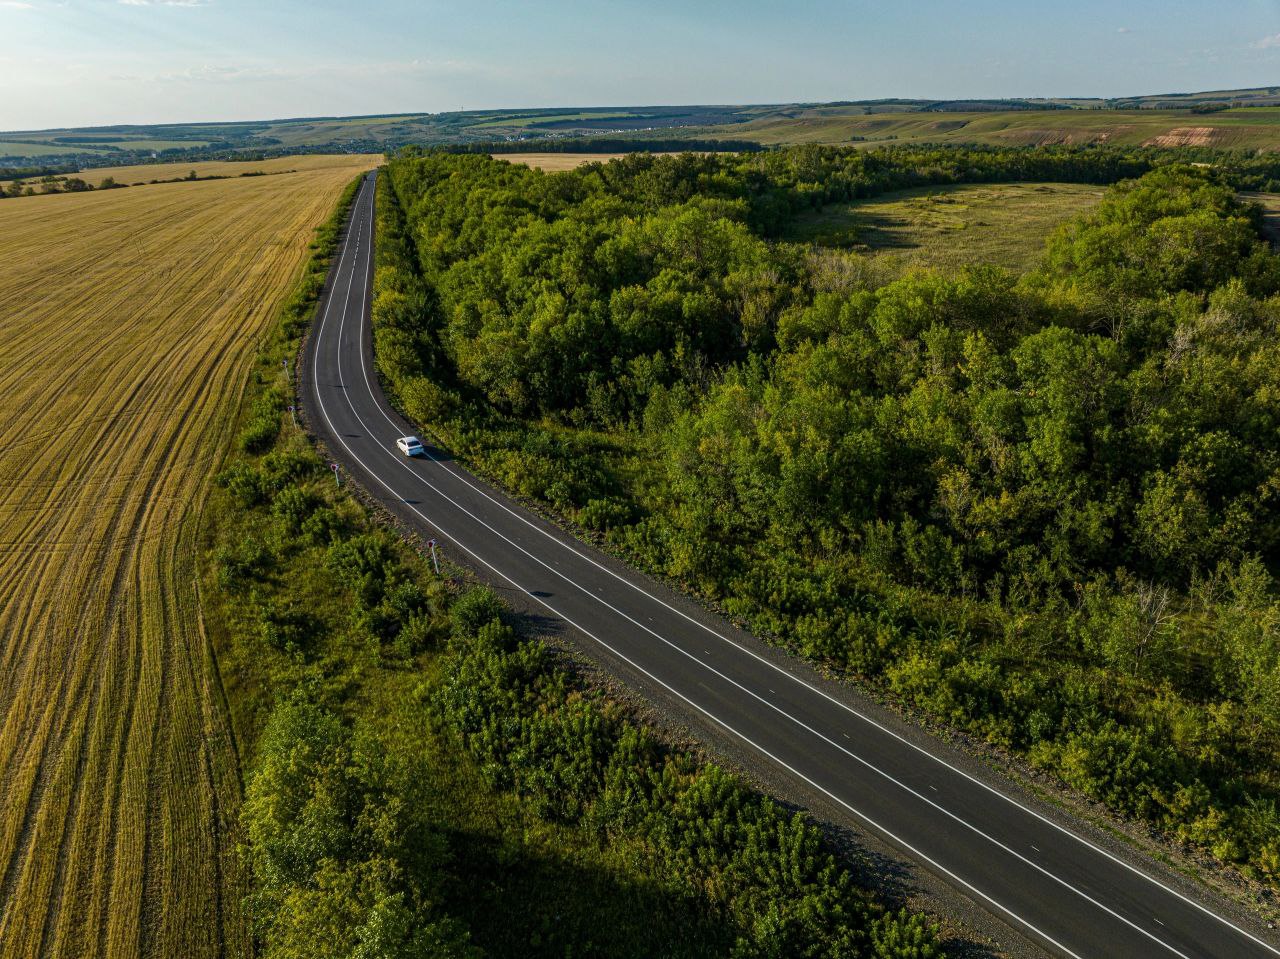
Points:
(80, 62)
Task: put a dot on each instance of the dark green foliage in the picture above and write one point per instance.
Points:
(533, 731)
(475, 608)
(351, 706)
(1044, 509)
(263, 425)
(292, 507)
(328, 844)
(289, 465)
(286, 626)
(1175, 229)
(241, 562)
(243, 481)
(366, 565)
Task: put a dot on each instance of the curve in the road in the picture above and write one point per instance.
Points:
(1079, 899)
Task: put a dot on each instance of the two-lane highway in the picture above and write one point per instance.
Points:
(1057, 888)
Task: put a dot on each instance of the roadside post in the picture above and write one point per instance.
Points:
(285, 364)
(337, 479)
(434, 561)
(293, 416)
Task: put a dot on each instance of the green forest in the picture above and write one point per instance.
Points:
(1042, 508)
(422, 778)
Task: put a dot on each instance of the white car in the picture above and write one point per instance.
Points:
(410, 446)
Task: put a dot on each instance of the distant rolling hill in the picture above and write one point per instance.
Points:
(1254, 128)
(1227, 119)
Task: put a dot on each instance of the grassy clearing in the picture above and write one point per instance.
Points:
(948, 227)
(1270, 203)
(555, 162)
(131, 318)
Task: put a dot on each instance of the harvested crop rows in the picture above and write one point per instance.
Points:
(128, 320)
(143, 174)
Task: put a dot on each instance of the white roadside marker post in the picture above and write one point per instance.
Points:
(435, 562)
(293, 416)
(337, 480)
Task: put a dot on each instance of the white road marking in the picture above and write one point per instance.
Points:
(463, 478)
(803, 725)
(700, 709)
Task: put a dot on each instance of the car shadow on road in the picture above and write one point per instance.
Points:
(437, 453)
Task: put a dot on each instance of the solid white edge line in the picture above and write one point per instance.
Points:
(873, 823)
(685, 653)
(567, 544)
(749, 692)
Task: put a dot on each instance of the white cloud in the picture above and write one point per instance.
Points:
(16, 5)
(210, 73)
(1267, 43)
(1123, 30)
(166, 3)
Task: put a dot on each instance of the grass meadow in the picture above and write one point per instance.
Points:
(1003, 224)
(556, 162)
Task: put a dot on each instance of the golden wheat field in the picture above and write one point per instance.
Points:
(146, 172)
(128, 322)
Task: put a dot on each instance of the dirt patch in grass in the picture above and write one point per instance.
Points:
(1184, 137)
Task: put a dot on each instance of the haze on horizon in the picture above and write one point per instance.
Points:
(97, 62)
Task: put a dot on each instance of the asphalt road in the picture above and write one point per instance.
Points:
(1055, 887)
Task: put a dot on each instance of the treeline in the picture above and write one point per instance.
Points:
(30, 172)
(608, 145)
(64, 184)
(54, 183)
(352, 669)
(1043, 509)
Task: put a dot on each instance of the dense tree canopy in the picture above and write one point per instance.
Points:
(416, 767)
(1042, 507)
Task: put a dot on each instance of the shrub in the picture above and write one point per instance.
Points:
(475, 608)
(244, 482)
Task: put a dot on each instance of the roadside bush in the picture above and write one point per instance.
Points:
(263, 425)
(366, 565)
(477, 607)
(286, 627)
(292, 506)
(427, 402)
(292, 464)
(244, 482)
(241, 563)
